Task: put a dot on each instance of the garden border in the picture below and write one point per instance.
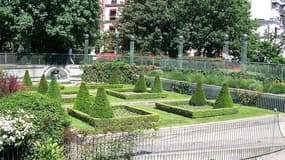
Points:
(148, 95)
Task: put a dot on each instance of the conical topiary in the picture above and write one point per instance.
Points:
(198, 97)
(43, 85)
(82, 101)
(101, 107)
(224, 99)
(53, 90)
(140, 86)
(157, 85)
(115, 78)
(27, 79)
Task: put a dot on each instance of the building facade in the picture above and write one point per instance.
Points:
(110, 13)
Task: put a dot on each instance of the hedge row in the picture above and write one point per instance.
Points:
(123, 124)
(147, 95)
(196, 113)
(105, 85)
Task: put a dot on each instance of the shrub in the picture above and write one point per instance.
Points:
(43, 85)
(49, 150)
(9, 84)
(115, 78)
(101, 106)
(157, 85)
(224, 99)
(27, 79)
(49, 118)
(53, 90)
(82, 101)
(140, 86)
(198, 98)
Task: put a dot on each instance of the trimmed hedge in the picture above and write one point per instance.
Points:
(157, 85)
(140, 85)
(146, 95)
(101, 106)
(43, 85)
(27, 79)
(224, 99)
(198, 98)
(195, 113)
(146, 120)
(83, 101)
(105, 85)
(115, 78)
(54, 90)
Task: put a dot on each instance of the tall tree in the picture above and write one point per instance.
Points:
(50, 26)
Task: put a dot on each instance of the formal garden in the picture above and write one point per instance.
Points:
(38, 119)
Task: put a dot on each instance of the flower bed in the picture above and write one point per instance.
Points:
(193, 112)
(144, 120)
(129, 94)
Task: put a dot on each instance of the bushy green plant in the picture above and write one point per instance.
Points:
(101, 106)
(198, 97)
(224, 99)
(48, 150)
(43, 85)
(140, 85)
(27, 79)
(157, 85)
(53, 90)
(49, 118)
(115, 78)
(82, 101)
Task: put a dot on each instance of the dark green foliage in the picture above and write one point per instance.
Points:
(201, 113)
(43, 85)
(49, 117)
(53, 90)
(27, 79)
(198, 98)
(146, 95)
(101, 71)
(224, 99)
(83, 101)
(140, 85)
(115, 78)
(101, 106)
(157, 85)
(145, 120)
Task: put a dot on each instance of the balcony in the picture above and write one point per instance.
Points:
(115, 3)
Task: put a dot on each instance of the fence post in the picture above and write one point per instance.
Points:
(180, 51)
(244, 52)
(132, 48)
(5, 58)
(86, 44)
(226, 48)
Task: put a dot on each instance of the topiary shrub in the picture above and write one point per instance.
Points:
(101, 106)
(27, 79)
(224, 99)
(157, 85)
(82, 101)
(53, 90)
(49, 118)
(115, 78)
(140, 86)
(43, 85)
(198, 97)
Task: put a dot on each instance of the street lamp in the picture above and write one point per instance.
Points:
(132, 49)
(117, 36)
(86, 44)
(180, 50)
(244, 52)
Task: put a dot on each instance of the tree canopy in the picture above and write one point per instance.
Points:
(47, 26)
(156, 24)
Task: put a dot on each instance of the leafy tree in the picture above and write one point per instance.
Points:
(224, 99)
(198, 97)
(115, 78)
(101, 106)
(43, 85)
(54, 90)
(157, 85)
(27, 79)
(82, 101)
(203, 24)
(140, 86)
(48, 26)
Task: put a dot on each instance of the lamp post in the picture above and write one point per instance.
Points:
(86, 44)
(117, 36)
(180, 50)
(244, 52)
(132, 49)
(225, 49)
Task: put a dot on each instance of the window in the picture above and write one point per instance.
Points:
(113, 1)
(113, 13)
